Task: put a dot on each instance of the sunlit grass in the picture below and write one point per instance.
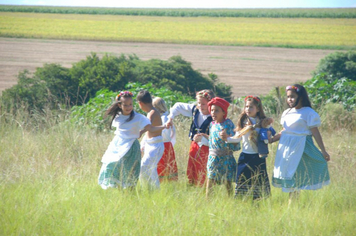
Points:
(48, 186)
(281, 32)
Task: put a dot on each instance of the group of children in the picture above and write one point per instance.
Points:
(298, 163)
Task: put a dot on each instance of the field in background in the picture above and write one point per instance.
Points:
(276, 32)
(275, 13)
(48, 186)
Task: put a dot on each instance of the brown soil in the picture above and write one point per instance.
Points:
(250, 70)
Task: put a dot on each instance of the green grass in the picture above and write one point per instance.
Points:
(48, 186)
(275, 13)
(268, 32)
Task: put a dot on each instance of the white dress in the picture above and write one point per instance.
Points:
(295, 143)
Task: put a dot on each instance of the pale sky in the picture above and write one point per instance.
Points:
(189, 3)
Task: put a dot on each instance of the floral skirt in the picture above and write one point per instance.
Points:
(221, 168)
(124, 172)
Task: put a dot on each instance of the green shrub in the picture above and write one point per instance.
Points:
(53, 85)
(323, 89)
(92, 113)
(338, 65)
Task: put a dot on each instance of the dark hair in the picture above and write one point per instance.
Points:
(114, 110)
(302, 94)
(144, 96)
(243, 116)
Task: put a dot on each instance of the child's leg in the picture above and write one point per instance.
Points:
(229, 187)
(209, 187)
(293, 196)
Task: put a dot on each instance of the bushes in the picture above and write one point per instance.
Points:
(92, 113)
(338, 65)
(53, 85)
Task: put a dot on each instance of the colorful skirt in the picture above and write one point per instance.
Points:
(252, 178)
(312, 172)
(198, 158)
(167, 167)
(221, 168)
(124, 172)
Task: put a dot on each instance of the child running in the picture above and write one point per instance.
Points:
(299, 164)
(199, 148)
(154, 147)
(221, 164)
(252, 177)
(167, 166)
(121, 161)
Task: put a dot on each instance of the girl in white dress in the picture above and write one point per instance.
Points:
(121, 161)
(299, 164)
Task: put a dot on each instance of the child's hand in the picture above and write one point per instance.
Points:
(197, 138)
(326, 155)
(223, 135)
(169, 123)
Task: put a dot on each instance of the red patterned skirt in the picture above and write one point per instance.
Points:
(197, 164)
(167, 166)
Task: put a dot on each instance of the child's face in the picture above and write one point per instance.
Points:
(203, 105)
(126, 105)
(217, 113)
(251, 109)
(292, 97)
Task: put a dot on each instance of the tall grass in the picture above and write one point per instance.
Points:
(281, 32)
(48, 186)
(275, 13)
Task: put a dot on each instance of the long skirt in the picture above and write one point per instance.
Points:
(312, 172)
(124, 172)
(252, 178)
(153, 152)
(197, 162)
(167, 167)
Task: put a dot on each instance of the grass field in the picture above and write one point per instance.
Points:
(48, 186)
(277, 32)
(275, 13)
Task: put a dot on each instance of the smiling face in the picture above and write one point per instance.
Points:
(292, 98)
(217, 113)
(251, 109)
(126, 105)
(203, 105)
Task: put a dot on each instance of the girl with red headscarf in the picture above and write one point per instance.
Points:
(221, 164)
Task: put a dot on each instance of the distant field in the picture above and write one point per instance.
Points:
(281, 32)
(275, 13)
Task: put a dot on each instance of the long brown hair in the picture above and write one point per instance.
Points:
(243, 116)
(114, 110)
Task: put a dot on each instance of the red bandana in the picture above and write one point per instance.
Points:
(219, 102)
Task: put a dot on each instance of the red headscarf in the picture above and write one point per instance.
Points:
(219, 102)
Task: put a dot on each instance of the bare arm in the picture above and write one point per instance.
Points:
(152, 128)
(319, 141)
(276, 137)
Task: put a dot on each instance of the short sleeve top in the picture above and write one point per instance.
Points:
(300, 121)
(215, 142)
(130, 129)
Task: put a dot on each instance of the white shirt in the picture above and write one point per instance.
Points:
(125, 135)
(130, 129)
(169, 135)
(185, 109)
(299, 121)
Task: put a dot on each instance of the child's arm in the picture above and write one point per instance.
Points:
(152, 128)
(235, 139)
(276, 137)
(319, 141)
